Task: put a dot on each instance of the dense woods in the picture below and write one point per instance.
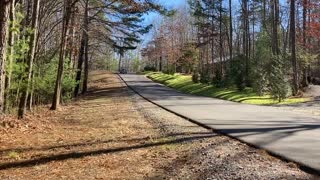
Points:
(48, 46)
(271, 46)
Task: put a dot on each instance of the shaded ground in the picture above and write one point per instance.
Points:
(111, 133)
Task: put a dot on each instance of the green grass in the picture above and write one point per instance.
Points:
(183, 83)
(13, 155)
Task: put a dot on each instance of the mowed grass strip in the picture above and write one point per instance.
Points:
(184, 83)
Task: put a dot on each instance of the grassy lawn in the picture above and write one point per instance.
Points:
(183, 83)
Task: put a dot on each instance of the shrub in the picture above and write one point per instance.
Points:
(149, 68)
(278, 83)
(195, 77)
(238, 71)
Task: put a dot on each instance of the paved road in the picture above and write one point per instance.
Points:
(290, 134)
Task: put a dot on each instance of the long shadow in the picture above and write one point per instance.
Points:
(77, 155)
(44, 148)
(264, 130)
(20, 150)
(104, 92)
(281, 132)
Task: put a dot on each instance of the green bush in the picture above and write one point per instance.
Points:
(195, 77)
(150, 68)
(278, 83)
(261, 64)
(238, 72)
(205, 78)
(46, 78)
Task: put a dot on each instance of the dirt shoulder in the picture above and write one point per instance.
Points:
(112, 133)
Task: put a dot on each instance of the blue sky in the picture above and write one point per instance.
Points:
(170, 4)
(174, 4)
(152, 17)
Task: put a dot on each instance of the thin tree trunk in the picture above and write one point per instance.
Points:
(304, 29)
(30, 95)
(79, 69)
(212, 43)
(286, 40)
(295, 81)
(11, 54)
(86, 68)
(246, 39)
(220, 39)
(119, 64)
(83, 50)
(264, 12)
(253, 30)
(231, 29)
(30, 59)
(4, 25)
(62, 54)
(275, 25)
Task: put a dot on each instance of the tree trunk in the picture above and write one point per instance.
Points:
(305, 82)
(30, 59)
(231, 29)
(10, 58)
(246, 39)
(275, 26)
(80, 64)
(212, 44)
(4, 23)
(62, 54)
(253, 30)
(83, 49)
(119, 64)
(30, 95)
(220, 40)
(264, 12)
(86, 68)
(295, 82)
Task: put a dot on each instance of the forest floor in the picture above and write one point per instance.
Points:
(112, 133)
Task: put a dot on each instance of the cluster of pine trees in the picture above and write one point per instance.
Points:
(269, 45)
(47, 46)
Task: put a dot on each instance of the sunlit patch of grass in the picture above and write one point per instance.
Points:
(183, 83)
(13, 155)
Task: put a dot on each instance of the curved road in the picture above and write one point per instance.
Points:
(292, 135)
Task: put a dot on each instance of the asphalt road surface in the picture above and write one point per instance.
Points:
(292, 135)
